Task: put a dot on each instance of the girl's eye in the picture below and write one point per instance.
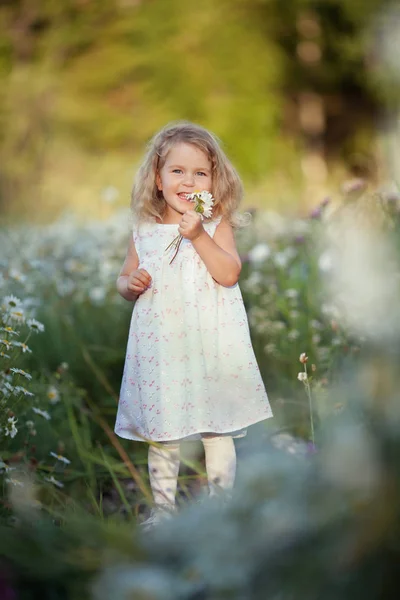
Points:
(177, 171)
(201, 173)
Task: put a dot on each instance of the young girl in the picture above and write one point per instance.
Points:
(190, 370)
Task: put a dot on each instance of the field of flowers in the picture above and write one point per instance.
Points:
(71, 491)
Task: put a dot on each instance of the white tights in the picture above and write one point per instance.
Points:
(164, 461)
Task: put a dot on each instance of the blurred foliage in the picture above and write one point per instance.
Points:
(99, 77)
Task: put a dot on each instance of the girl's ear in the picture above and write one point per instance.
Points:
(158, 181)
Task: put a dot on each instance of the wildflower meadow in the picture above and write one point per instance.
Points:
(72, 493)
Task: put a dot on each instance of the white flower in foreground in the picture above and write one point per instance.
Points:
(17, 275)
(42, 413)
(35, 325)
(97, 294)
(23, 346)
(54, 481)
(204, 203)
(293, 334)
(60, 458)
(9, 330)
(15, 482)
(291, 293)
(53, 394)
(302, 376)
(65, 287)
(10, 302)
(21, 372)
(17, 315)
(10, 428)
(6, 343)
(259, 253)
(325, 261)
(8, 386)
(21, 390)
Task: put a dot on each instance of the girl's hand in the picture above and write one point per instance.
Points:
(138, 281)
(191, 226)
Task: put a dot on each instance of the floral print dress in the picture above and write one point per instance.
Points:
(190, 366)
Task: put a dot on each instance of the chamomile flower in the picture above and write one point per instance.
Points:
(10, 302)
(17, 315)
(302, 376)
(15, 482)
(21, 372)
(21, 345)
(42, 413)
(9, 330)
(21, 390)
(35, 325)
(61, 458)
(10, 428)
(17, 275)
(6, 343)
(4, 355)
(54, 481)
(53, 394)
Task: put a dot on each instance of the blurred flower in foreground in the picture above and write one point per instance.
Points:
(259, 253)
(362, 280)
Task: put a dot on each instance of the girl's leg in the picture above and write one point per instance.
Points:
(163, 464)
(220, 463)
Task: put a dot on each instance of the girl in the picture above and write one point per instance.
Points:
(190, 370)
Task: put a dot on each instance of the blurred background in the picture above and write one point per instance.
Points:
(300, 94)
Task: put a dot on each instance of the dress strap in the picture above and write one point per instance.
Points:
(211, 226)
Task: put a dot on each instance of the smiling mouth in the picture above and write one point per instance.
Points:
(183, 196)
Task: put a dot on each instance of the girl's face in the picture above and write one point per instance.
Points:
(187, 169)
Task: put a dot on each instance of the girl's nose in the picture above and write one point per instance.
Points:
(189, 179)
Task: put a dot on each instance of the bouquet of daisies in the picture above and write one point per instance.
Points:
(203, 205)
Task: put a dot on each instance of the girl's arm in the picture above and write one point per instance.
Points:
(219, 254)
(132, 281)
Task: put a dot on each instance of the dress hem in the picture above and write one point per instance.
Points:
(236, 433)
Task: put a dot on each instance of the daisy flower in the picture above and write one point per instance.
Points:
(21, 345)
(203, 205)
(14, 481)
(35, 325)
(21, 390)
(10, 428)
(53, 394)
(17, 315)
(6, 343)
(9, 330)
(42, 413)
(17, 275)
(60, 458)
(21, 372)
(11, 302)
(54, 481)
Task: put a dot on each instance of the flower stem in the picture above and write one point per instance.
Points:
(178, 244)
(174, 242)
(308, 388)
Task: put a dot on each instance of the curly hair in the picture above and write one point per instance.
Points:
(148, 202)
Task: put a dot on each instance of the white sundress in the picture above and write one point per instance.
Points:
(190, 366)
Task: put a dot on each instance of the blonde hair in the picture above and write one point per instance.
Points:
(148, 202)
